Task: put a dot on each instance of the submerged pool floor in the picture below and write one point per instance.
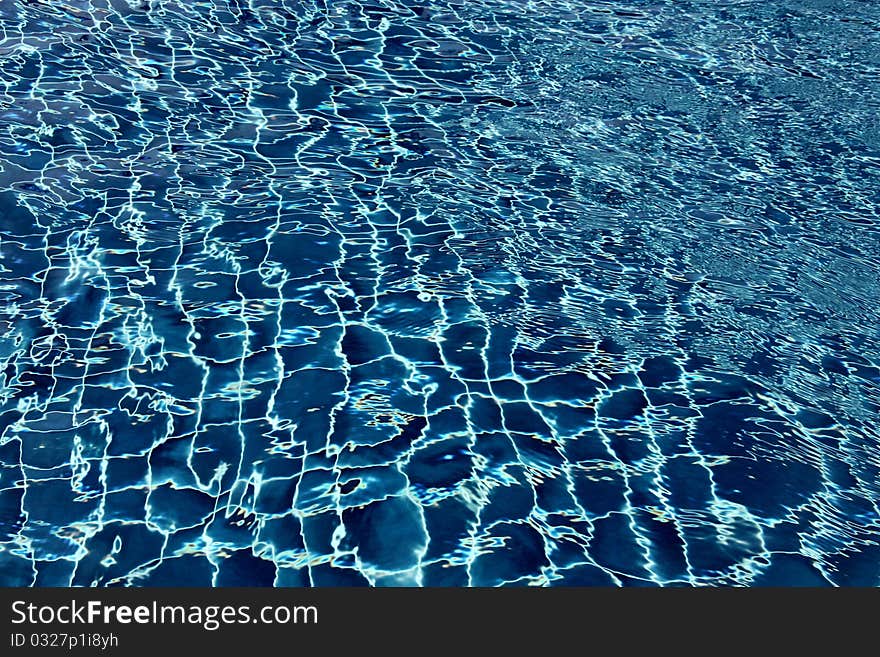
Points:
(455, 293)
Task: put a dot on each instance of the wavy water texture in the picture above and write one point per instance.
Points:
(461, 293)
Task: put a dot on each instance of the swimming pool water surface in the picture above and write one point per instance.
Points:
(453, 293)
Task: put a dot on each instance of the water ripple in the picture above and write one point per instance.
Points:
(484, 293)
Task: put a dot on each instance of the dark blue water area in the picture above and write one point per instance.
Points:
(455, 293)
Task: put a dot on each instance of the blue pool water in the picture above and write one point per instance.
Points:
(379, 292)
